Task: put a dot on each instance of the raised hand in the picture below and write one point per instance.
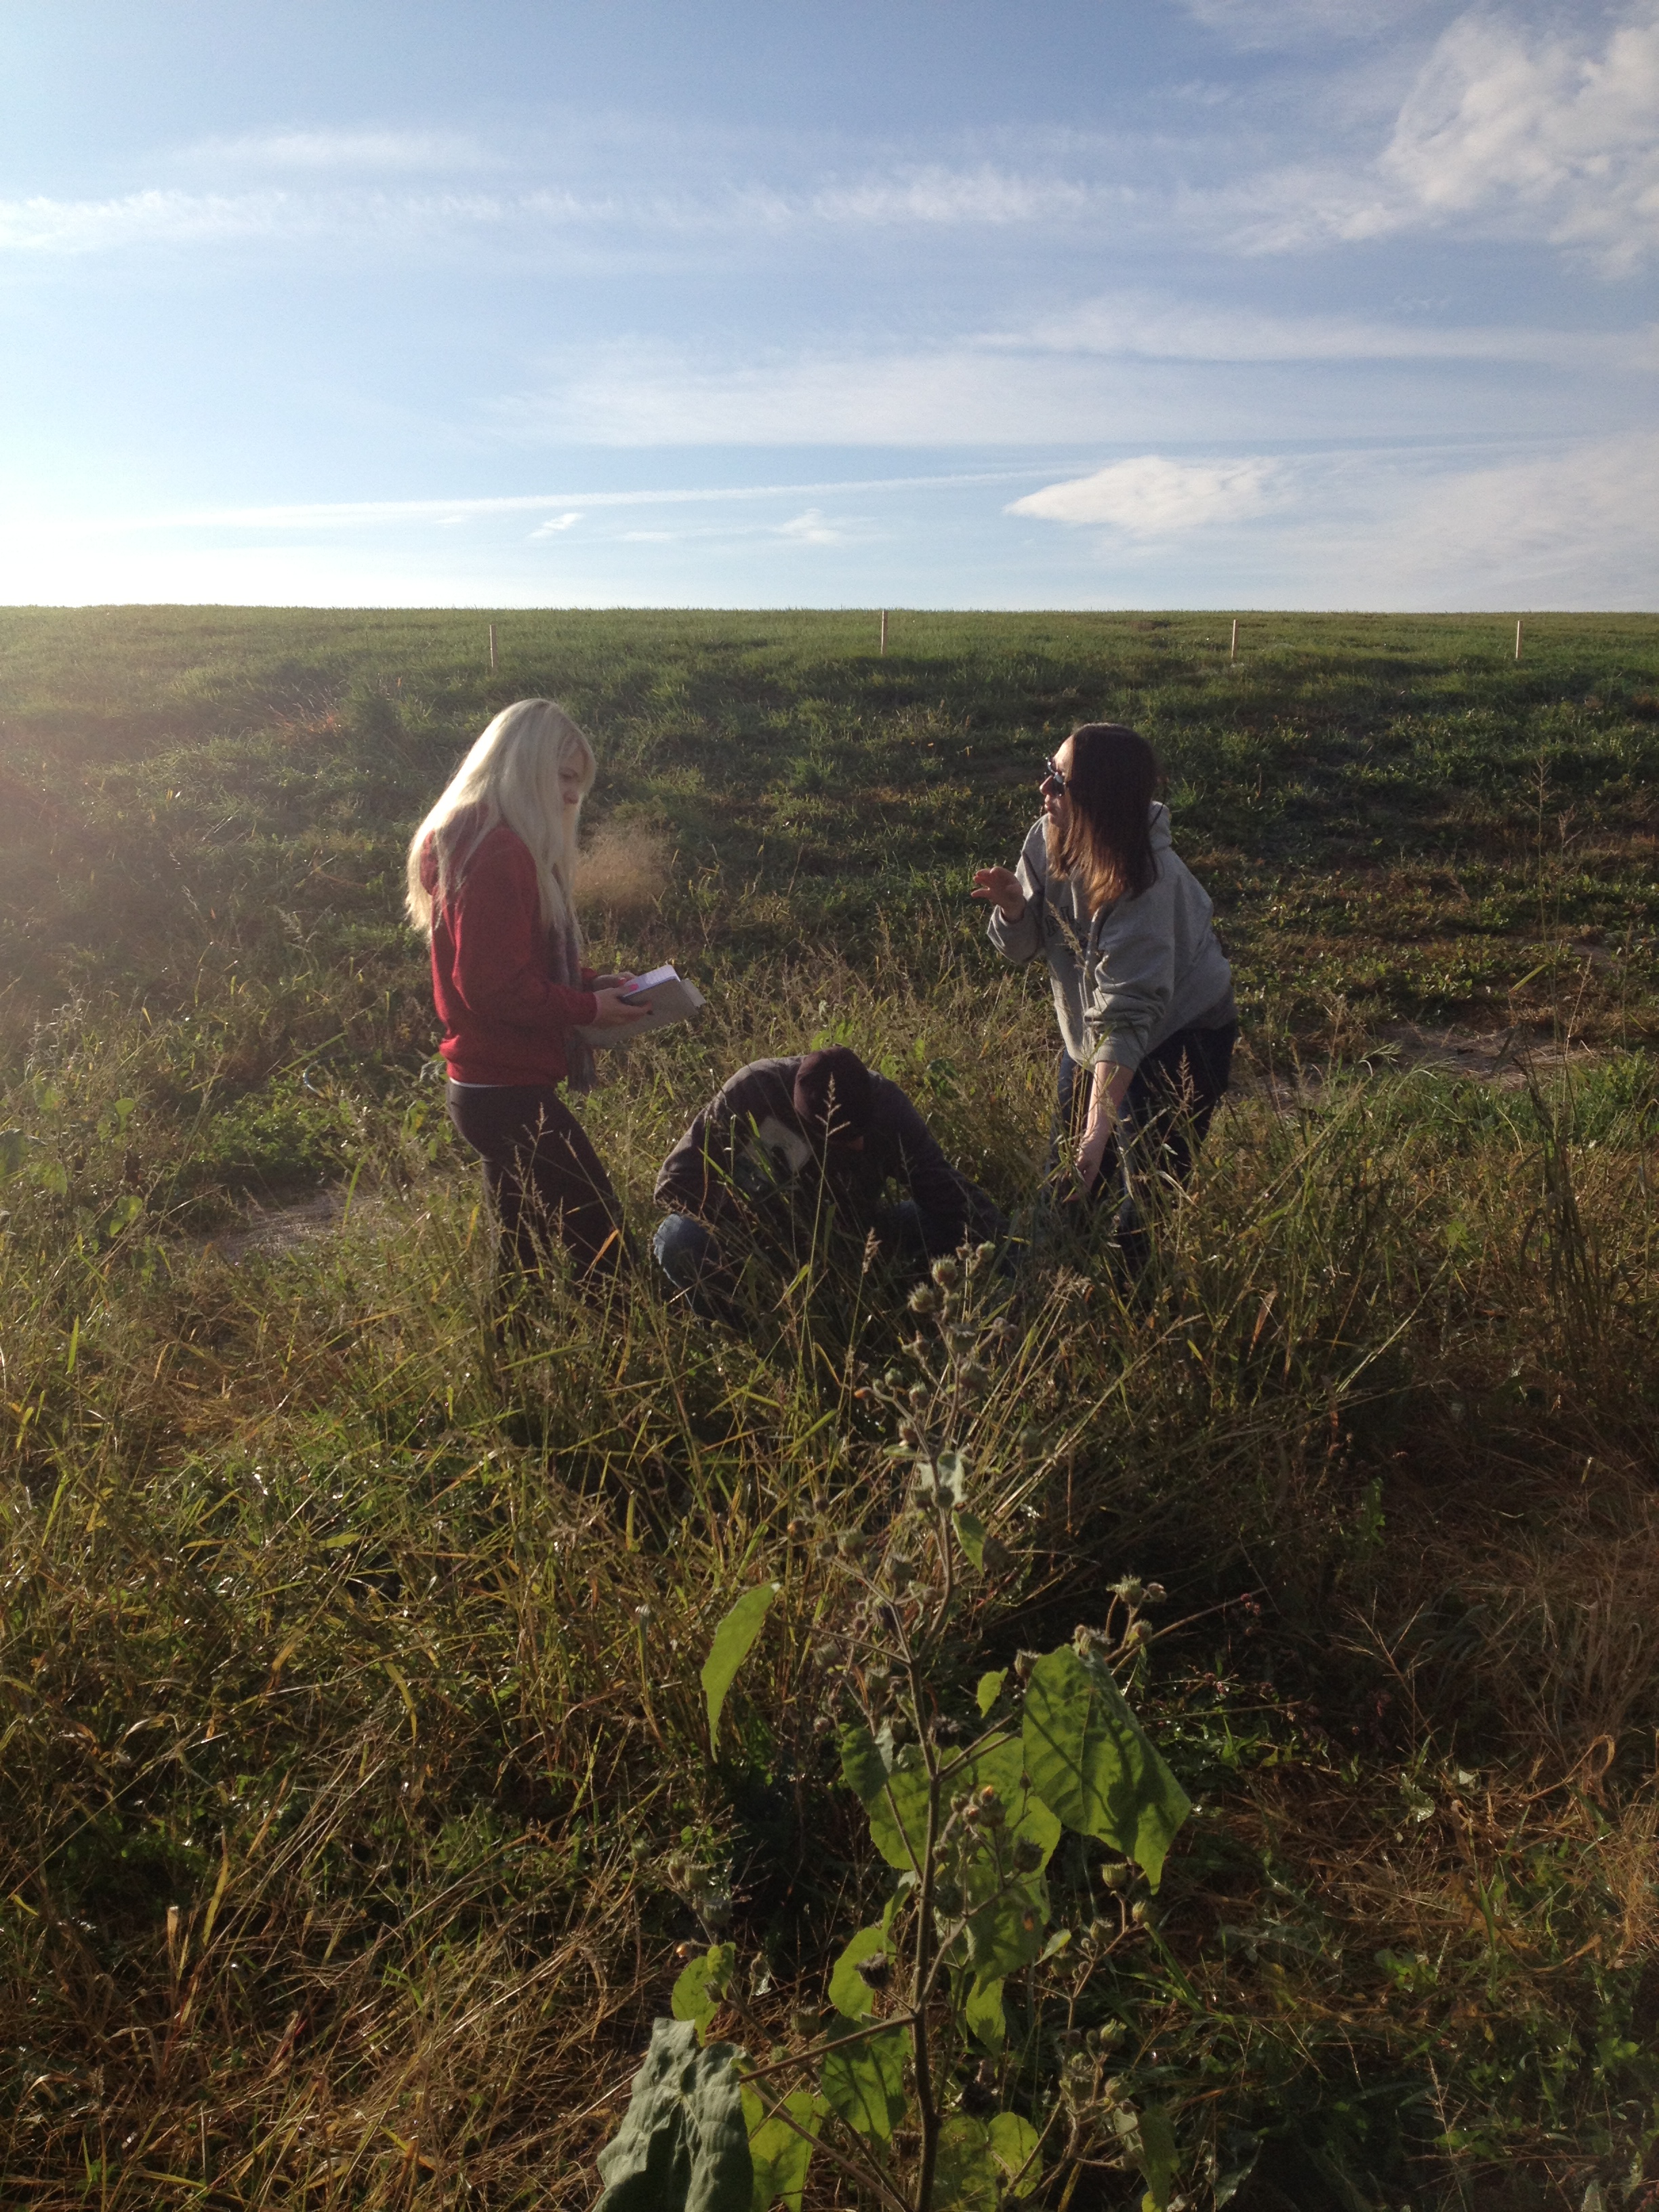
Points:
(1001, 888)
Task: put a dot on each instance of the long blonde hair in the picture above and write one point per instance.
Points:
(510, 776)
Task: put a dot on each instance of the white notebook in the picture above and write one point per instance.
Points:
(673, 1000)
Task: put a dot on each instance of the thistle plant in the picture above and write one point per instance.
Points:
(911, 2080)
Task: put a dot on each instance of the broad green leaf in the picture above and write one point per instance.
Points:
(1092, 1763)
(898, 1818)
(1003, 1765)
(970, 1534)
(1008, 1932)
(863, 1769)
(702, 1986)
(990, 1689)
(965, 2177)
(849, 1992)
(127, 1209)
(683, 2146)
(1014, 2146)
(14, 1150)
(983, 2016)
(732, 1641)
(865, 2081)
(1149, 2140)
(779, 2152)
(896, 1802)
(1157, 2157)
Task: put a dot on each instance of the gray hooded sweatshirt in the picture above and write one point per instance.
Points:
(1127, 978)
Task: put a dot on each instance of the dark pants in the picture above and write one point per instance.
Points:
(544, 1180)
(1160, 1125)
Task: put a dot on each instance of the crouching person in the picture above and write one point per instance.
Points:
(791, 1151)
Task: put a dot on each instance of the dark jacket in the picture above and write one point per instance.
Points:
(749, 1144)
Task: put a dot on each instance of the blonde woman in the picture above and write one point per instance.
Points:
(490, 875)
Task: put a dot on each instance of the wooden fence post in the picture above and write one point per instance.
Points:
(1518, 640)
(492, 648)
(883, 629)
(1233, 655)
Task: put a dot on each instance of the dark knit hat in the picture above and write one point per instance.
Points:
(832, 1094)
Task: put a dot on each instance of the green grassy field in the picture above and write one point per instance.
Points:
(355, 1793)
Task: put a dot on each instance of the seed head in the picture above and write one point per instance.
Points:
(877, 1970)
(1028, 1855)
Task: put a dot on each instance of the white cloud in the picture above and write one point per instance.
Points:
(1293, 23)
(942, 196)
(962, 394)
(333, 150)
(556, 522)
(147, 218)
(811, 529)
(1146, 326)
(1578, 528)
(1498, 120)
(930, 199)
(1152, 496)
(1505, 132)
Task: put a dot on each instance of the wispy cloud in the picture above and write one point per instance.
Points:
(812, 529)
(1578, 528)
(377, 150)
(1146, 326)
(1292, 22)
(933, 198)
(1152, 496)
(568, 507)
(44, 226)
(940, 196)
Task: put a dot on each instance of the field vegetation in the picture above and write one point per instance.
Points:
(358, 1807)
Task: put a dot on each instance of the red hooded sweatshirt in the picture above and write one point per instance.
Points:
(506, 1020)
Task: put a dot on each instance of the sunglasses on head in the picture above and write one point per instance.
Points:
(1054, 776)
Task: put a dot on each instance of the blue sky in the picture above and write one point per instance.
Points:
(1230, 303)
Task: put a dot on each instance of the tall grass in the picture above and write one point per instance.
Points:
(351, 1664)
(353, 1755)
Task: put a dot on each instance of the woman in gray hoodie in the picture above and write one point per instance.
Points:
(1141, 985)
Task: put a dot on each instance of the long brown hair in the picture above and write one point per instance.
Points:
(1106, 839)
